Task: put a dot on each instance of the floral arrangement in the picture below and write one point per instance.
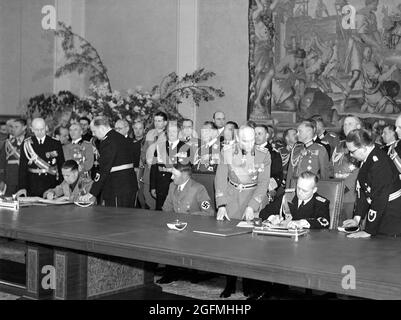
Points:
(114, 105)
(82, 57)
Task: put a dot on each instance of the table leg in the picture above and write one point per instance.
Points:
(39, 263)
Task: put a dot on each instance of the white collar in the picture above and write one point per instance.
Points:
(174, 144)
(42, 140)
(263, 145)
(367, 155)
(220, 130)
(309, 143)
(305, 201)
(76, 141)
(391, 143)
(182, 186)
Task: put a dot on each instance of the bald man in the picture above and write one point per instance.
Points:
(122, 127)
(40, 162)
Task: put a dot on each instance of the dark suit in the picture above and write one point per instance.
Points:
(159, 178)
(137, 149)
(316, 211)
(118, 188)
(51, 152)
(379, 194)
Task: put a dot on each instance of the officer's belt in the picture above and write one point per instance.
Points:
(40, 171)
(241, 186)
(122, 167)
(394, 195)
(13, 161)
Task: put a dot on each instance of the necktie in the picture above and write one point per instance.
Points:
(301, 205)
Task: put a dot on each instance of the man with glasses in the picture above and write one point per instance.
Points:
(40, 162)
(378, 189)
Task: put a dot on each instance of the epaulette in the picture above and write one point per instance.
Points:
(319, 198)
(324, 142)
(262, 149)
(375, 159)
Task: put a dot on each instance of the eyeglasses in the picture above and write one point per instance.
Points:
(353, 151)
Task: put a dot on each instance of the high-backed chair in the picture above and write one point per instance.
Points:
(207, 179)
(333, 190)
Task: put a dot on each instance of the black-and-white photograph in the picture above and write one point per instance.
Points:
(194, 151)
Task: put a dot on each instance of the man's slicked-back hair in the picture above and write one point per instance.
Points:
(360, 138)
(161, 114)
(233, 123)
(309, 124)
(101, 121)
(309, 175)
(211, 124)
(21, 121)
(70, 165)
(84, 119)
(184, 167)
(262, 126)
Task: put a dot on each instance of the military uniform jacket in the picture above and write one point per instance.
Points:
(115, 150)
(345, 167)
(82, 187)
(316, 211)
(207, 157)
(325, 144)
(276, 170)
(165, 158)
(394, 152)
(137, 149)
(250, 169)
(311, 157)
(51, 152)
(378, 194)
(193, 199)
(82, 153)
(10, 156)
(331, 138)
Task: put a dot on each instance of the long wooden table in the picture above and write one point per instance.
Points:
(316, 261)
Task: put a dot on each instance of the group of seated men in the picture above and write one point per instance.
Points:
(252, 170)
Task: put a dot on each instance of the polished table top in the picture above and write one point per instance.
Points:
(315, 261)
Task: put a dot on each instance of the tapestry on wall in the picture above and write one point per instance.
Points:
(324, 57)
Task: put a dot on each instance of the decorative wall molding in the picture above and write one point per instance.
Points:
(73, 13)
(187, 46)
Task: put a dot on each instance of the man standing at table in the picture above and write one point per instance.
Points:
(10, 157)
(307, 155)
(40, 162)
(378, 188)
(116, 181)
(79, 150)
(242, 178)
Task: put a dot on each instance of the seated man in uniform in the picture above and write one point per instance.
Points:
(184, 196)
(73, 185)
(307, 209)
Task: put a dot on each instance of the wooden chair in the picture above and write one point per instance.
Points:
(333, 190)
(207, 179)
